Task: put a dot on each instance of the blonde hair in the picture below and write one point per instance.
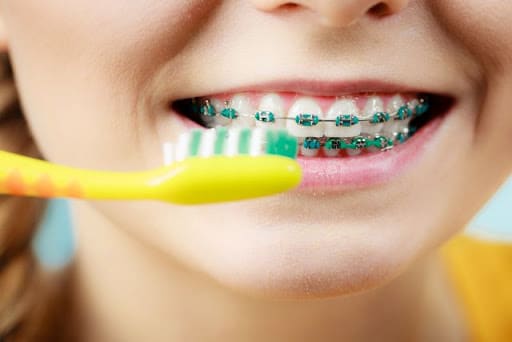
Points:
(28, 299)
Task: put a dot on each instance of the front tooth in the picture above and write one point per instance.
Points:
(310, 112)
(331, 153)
(373, 105)
(310, 147)
(242, 104)
(310, 153)
(340, 108)
(274, 104)
(394, 105)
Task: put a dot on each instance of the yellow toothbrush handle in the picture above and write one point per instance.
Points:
(193, 181)
(24, 176)
(221, 179)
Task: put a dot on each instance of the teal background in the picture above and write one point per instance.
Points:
(55, 242)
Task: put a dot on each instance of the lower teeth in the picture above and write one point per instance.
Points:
(206, 114)
(332, 147)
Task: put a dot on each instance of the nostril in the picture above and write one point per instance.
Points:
(379, 10)
(290, 6)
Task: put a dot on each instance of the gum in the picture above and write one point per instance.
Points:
(325, 102)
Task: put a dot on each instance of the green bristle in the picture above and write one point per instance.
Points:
(279, 142)
(220, 140)
(244, 141)
(195, 142)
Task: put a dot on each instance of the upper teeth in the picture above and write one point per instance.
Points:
(305, 114)
(373, 105)
(305, 117)
(347, 107)
(271, 104)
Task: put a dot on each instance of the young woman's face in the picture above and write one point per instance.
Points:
(97, 80)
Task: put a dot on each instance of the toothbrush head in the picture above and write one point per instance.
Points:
(221, 165)
(231, 142)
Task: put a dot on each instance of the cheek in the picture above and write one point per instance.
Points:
(83, 70)
(479, 25)
(481, 28)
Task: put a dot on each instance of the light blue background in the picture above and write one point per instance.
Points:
(495, 219)
(54, 243)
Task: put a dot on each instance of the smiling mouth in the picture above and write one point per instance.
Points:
(352, 139)
(326, 126)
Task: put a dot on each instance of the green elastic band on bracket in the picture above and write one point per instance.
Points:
(229, 113)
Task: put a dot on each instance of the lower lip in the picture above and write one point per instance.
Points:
(341, 174)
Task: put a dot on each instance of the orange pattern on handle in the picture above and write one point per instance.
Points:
(15, 184)
(74, 189)
(44, 186)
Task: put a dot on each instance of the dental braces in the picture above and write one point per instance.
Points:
(377, 141)
(206, 109)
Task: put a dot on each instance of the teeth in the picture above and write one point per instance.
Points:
(242, 104)
(219, 120)
(305, 120)
(342, 107)
(310, 110)
(373, 105)
(355, 152)
(310, 147)
(331, 152)
(393, 106)
(309, 152)
(402, 126)
(373, 149)
(413, 103)
(274, 104)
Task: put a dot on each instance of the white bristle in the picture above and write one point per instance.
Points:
(168, 149)
(231, 148)
(256, 145)
(182, 148)
(207, 143)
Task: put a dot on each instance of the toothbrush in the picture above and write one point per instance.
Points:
(210, 166)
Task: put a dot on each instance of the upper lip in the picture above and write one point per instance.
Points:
(316, 87)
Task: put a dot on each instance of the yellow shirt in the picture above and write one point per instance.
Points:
(481, 272)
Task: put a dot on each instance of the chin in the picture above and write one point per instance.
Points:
(295, 263)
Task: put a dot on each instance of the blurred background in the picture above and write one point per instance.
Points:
(54, 243)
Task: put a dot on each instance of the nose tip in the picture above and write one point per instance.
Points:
(337, 13)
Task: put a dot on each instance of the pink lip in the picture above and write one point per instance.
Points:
(326, 88)
(336, 174)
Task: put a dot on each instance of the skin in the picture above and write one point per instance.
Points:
(99, 77)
